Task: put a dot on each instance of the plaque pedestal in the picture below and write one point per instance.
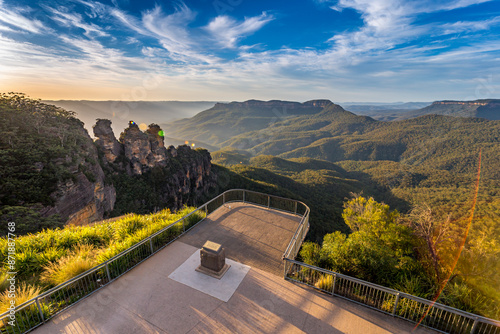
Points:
(213, 260)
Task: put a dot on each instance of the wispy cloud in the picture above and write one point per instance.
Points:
(16, 18)
(171, 31)
(203, 55)
(227, 31)
(68, 19)
(468, 26)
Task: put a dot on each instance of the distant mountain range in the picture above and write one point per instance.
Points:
(320, 129)
(489, 109)
(121, 112)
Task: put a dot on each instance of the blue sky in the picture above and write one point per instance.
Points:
(224, 50)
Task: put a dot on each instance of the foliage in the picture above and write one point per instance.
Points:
(39, 143)
(24, 292)
(379, 249)
(27, 219)
(80, 259)
(53, 256)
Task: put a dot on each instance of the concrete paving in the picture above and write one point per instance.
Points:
(251, 234)
(145, 300)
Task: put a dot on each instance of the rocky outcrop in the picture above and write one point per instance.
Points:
(158, 150)
(136, 147)
(176, 176)
(106, 140)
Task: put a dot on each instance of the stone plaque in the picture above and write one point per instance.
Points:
(213, 260)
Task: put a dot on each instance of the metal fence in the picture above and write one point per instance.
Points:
(35, 312)
(38, 310)
(437, 316)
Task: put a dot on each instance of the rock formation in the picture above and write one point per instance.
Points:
(106, 140)
(178, 175)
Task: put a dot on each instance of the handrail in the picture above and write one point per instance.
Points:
(36, 311)
(475, 324)
(41, 308)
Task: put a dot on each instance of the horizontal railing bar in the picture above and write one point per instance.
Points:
(295, 235)
(259, 193)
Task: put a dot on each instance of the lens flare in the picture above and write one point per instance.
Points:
(143, 126)
(462, 244)
(161, 133)
(192, 144)
(186, 142)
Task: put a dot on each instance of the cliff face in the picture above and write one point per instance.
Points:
(487, 108)
(84, 197)
(149, 176)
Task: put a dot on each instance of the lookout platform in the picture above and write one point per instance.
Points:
(147, 300)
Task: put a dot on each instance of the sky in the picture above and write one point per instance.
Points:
(235, 50)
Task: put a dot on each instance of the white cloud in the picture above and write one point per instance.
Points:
(172, 28)
(15, 18)
(468, 26)
(75, 20)
(227, 31)
(171, 31)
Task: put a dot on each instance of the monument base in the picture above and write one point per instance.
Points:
(215, 274)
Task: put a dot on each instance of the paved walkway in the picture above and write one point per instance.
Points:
(145, 300)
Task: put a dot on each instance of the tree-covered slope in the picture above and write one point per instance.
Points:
(49, 169)
(226, 120)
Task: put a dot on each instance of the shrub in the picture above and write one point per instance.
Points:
(325, 282)
(81, 259)
(24, 292)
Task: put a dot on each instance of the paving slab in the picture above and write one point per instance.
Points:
(221, 289)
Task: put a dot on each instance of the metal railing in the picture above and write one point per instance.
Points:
(45, 306)
(442, 318)
(436, 316)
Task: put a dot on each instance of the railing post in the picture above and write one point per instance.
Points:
(224, 198)
(268, 201)
(285, 269)
(40, 309)
(183, 227)
(243, 196)
(295, 210)
(107, 271)
(206, 211)
(333, 284)
(151, 245)
(474, 325)
(395, 305)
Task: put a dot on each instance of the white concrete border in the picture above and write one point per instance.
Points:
(221, 289)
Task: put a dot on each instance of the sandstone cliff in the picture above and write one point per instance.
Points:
(84, 198)
(50, 171)
(147, 175)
